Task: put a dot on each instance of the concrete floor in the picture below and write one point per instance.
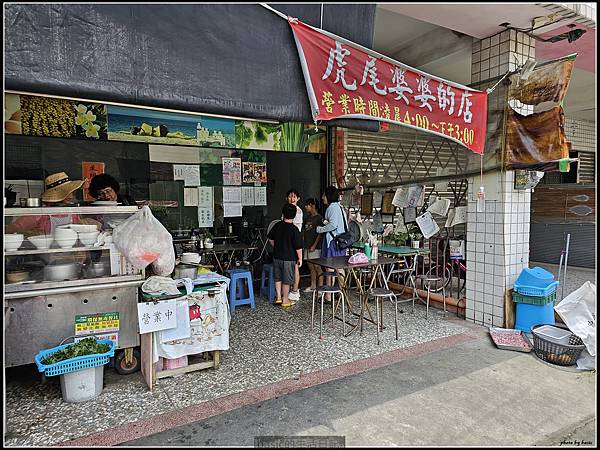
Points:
(469, 395)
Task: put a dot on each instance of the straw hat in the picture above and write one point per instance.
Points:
(59, 186)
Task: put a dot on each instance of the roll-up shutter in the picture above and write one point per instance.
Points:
(587, 168)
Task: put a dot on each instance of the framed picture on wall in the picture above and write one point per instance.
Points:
(386, 204)
(366, 204)
(410, 215)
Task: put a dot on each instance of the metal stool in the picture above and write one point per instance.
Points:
(364, 272)
(322, 290)
(379, 294)
(429, 279)
(411, 279)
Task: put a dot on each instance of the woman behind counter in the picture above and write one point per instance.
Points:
(59, 191)
(106, 188)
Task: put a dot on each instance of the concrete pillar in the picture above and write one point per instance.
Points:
(498, 238)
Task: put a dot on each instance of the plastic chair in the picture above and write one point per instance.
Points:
(267, 282)
(336, 296)
(236, 289)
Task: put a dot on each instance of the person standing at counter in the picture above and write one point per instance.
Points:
(335, 218)
(59, 191)
(312, 240)
(292, 198)
(104, 187)
(287, 254)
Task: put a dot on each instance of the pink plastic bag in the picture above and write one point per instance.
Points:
(358, 258)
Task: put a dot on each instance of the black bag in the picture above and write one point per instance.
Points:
(348, 237)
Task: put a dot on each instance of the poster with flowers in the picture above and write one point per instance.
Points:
(90, 121)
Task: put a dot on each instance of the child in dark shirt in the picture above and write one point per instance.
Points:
(287, 254)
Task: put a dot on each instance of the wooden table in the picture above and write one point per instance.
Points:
(339, 264)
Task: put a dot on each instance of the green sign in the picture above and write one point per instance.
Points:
(96, 323)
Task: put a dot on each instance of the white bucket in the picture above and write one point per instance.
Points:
(82, 385)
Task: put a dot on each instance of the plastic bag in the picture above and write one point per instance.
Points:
(143, 240)
(577, 311)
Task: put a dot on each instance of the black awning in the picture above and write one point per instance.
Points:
(231, 59)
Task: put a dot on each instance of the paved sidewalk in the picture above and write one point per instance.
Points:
(471, 394)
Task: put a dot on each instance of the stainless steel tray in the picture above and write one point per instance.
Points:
(494, 331)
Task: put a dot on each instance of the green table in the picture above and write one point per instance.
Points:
(396, 250)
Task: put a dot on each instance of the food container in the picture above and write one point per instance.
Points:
(42, 242)
(33, 203)
(554, 334)
(190, 258)
(185, 271)
(17, 276)
(12, 242)
(60, 272)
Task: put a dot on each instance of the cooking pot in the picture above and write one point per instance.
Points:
(60, 272)
(17, 276)
(33, 203)
(96, 269)
(185, 271)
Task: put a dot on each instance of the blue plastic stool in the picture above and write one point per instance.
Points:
(267, 277)
(236, 289)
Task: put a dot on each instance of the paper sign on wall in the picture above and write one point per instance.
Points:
(232, 171)
(232, 210)
(408, 197)
(205, 217)
(456, 216)
(190, 174)
(205, 197)
(190, 197)
(427, 225)
(108, 336)
(260, 196)
(232, 194)
(248, 196)
(156, 316)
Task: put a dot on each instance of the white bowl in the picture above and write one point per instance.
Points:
(42, 242)
(12, 242)
(83, 228)
(64, 233)
(67, 242)
(89, 239)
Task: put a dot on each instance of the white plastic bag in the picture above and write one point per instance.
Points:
(144, 240)
(577, 311)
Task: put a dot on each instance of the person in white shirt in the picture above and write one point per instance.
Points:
(292, 197)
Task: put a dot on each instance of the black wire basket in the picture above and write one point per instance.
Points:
(555, 353)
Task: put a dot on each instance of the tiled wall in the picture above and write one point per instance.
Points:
(498, 238)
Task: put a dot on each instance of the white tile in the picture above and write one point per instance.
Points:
(488, 309)
(499, 271)
(497, 321)
(479, 277)
(489, 228)
(498, 296)
(498, 311)
(470, 285)
(479, 287)
(478, 307)
(478, 316)
(487, 319)
(470, 314)
(498, 218)
(471, 227)
(480, 227)
(478, 267)
(498, 238)
(489, 260)
(479, 247)
(498, 280)
(470, 246)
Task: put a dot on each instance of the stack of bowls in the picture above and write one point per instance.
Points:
(65, 237)
(12, 242)
(42, 242)
(88, 238)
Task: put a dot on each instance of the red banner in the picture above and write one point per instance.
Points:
(346, 82)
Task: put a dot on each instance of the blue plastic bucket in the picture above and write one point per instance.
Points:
(529, 315)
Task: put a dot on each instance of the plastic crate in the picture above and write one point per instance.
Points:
(533, 300)
(73, 364)
(529, 315)
(536, 277)
(552, 352)
(536, 291)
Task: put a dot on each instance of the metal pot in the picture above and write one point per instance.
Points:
(60, 272)
(96, 269)
(185, 271)
(33, 203)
